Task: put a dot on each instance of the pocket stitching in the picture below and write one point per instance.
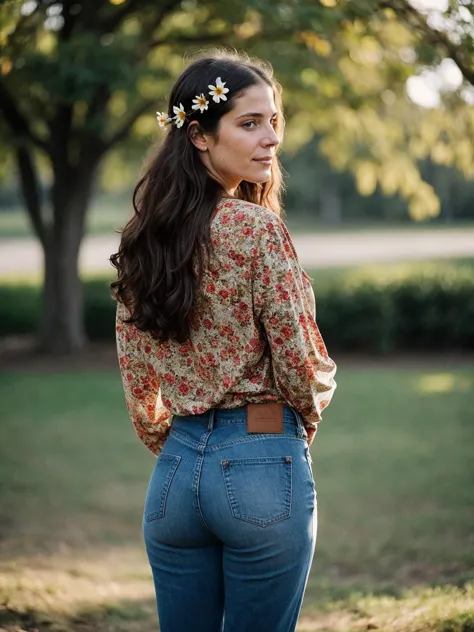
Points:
(160, 512)
(283, 515)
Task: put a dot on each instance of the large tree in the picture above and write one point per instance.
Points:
(76, 77)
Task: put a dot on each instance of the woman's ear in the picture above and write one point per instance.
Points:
(197, 136)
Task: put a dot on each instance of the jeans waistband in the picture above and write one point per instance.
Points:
(219, 417)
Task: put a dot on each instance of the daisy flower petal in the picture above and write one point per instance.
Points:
(180, 115)
(218, 91)
(163, 119)
(200, 103)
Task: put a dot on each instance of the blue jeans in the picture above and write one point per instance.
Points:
(230, 524)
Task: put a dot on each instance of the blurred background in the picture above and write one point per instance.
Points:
(379, 157)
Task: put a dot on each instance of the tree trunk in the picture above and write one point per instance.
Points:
(62, 329)
(62, 326)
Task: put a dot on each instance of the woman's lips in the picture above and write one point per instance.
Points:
(264, 161)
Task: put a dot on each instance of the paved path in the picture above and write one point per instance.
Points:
(23, 256)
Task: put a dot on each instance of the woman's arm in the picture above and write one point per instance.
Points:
(136, 354)
(284, 304)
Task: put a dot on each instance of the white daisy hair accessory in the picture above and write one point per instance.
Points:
(218, 91)
(163, 119)
(200, 102)
(180, 115)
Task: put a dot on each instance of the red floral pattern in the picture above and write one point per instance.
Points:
(253, 338)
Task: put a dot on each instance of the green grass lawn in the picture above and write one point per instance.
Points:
(393, 468)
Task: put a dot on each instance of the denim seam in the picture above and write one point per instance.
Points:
(175, 461)
(309, 461)
(256, 437)
(298, 606)
(242, 422)
(197, 480)
(183, 438)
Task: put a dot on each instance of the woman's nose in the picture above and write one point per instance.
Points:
(271, 139)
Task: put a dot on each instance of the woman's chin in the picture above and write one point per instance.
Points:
(260, 178)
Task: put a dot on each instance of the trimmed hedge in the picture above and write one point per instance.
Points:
(424, 307)
(406, 308)
(20, 308)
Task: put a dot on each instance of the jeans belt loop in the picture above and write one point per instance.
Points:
(300, 431)
(210, 425)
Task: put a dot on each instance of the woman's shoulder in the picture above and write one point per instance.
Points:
(232, 211)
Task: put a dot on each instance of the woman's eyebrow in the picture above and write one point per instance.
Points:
(255, 115)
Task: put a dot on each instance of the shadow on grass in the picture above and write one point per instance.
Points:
(130, 616)
(444, 609)
(395, 492)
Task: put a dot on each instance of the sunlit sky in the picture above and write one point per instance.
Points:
(428, 5)
(425, 88)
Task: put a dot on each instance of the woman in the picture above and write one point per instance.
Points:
(224, 370)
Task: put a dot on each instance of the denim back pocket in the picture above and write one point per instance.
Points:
(259, 489)
(157, 493)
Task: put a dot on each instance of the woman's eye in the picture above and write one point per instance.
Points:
(251, 124)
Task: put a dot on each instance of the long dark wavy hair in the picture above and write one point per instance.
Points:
(175, 199)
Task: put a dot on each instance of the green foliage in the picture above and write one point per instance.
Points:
(19, 308)
(426, 307)
(99, 310)
(21, 304)
(343, 66)
(356, 317)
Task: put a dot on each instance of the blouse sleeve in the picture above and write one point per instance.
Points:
(137, 356)
(285, 306)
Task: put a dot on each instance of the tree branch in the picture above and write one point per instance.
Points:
(31, 191)
(456, 55)
(60, 132)
(151, 27)
(92, 146)
(70, 21)
(122, 132)
(17, 121)
(418, 21)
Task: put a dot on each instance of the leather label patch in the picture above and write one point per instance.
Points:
(267, 417)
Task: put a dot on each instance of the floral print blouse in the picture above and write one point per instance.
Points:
(253, 334)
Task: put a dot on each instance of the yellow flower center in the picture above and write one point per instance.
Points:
(218, 90)
(182, 115)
